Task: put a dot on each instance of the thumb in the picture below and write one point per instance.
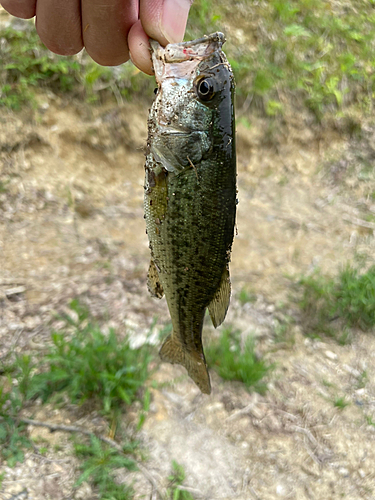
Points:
(165, 20)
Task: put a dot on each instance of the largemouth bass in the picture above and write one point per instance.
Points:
(190, 193)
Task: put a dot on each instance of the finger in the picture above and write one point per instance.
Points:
(106, 24)
(20, 8)
(165, 20)
(139, 48)
(59, 25)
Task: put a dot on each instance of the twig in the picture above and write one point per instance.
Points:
(306, 432)
(15, 290)
(14, 343)
(243, 411)
(359, 222)
(110, 442)
(193, 491)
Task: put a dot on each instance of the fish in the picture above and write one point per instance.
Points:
(190, 193)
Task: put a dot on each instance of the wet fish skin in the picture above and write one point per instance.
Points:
(190, 193)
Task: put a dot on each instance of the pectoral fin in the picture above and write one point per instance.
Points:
(220, 303)
(153, 282)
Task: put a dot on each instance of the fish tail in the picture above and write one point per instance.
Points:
(173, 351)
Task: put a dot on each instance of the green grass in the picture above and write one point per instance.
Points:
(84, 365)
(175, 489)
(246, 296)
(235, 362)
(98, 466)
(305, 55)
(315, 55)
(348, 297)
(340, 402)
(90, 365)
(27, 65)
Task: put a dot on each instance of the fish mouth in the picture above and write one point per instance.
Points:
(179, 60)
(184, 51)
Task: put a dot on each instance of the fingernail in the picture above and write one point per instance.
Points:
(174, 18)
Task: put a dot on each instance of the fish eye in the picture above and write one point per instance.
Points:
(205, 89)
(156, 90)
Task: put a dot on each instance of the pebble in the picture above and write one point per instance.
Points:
(215, 406)
(15, 489)
(352, 371)
(343, 471)
(280, 490)
(331, 355)
(361, 473)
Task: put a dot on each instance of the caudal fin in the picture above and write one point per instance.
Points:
(172, 351)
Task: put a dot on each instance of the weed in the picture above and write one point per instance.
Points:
(362, 379)
(4, 186)
(99, 465)
(350, 297)
(13, 439)
(176, 479)
(340, 402)
(146, 407)
(245, 296)
(370, 420)
(282, 331)
(235, 363)
(91, 365)
(310, 54)
(27, 65)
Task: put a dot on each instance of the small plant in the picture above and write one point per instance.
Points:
(91, 366)
(234, 362)
(340, 402)
(350, 298)
(99, 465)
(282, 333)
(245, 296)
(175, 489)
(27, 66)
(13, 438)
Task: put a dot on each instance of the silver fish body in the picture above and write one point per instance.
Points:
(190, 193)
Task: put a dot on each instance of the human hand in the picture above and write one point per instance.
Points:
(110, 30)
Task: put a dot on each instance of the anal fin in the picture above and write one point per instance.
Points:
(219, 304)
(173, 351)
(153, 281)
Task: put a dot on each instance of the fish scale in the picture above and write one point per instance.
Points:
(190, 202)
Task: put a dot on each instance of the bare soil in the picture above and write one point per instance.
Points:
(71, 226)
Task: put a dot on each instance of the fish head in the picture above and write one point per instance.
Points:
(195, 83)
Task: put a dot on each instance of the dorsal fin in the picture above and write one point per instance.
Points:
(220, 303)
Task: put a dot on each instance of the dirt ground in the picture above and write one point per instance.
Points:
(71, 225)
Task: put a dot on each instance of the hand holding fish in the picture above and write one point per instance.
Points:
(112, 31)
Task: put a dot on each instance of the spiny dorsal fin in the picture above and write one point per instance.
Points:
(220, 303)
(153, 282)
(173, 351)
